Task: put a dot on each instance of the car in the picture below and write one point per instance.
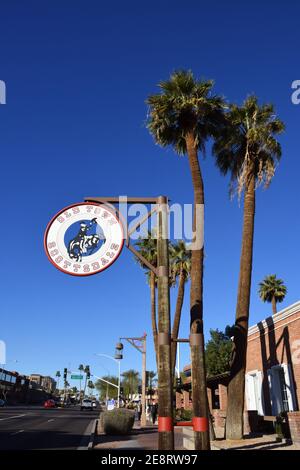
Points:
(49, 404)
(86, 404)
(2, 402)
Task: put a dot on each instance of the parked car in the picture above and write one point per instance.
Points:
(49, 404)
(2, 402)
(86, 404)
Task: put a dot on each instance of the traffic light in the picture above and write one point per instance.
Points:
(178, 383)
(140, 389)
(121, 390)
(65, 373)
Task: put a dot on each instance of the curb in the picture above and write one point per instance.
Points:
(92, 436)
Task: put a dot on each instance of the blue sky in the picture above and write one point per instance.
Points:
(77, 76)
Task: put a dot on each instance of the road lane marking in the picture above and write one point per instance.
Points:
(12, 417)
(17, 432)
(49, 420)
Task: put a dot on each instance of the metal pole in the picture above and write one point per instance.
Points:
(143, 416)
(178, 361)
(165, 389)
(119, 362)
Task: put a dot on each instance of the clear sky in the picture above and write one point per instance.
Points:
(77, 76)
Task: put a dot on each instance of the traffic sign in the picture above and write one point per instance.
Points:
(76, 377)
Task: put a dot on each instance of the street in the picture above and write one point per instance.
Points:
(26, 428)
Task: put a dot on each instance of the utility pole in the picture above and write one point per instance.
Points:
(165, 386)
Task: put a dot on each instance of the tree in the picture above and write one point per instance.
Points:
(105, 390)
(148, 249)
(87, 377)
(218, 352)
(272, 290)
(150, 376)
(180, 266)
(58, 377)
(130, 382)
(180, 263)
(248, 150)
(81, 369)
(91, 386)
(185, 115)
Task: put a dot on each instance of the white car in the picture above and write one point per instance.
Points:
(86, 404)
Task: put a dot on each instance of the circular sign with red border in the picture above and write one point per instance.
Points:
(84, 239)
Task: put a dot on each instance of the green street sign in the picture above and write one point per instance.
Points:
(76, 377)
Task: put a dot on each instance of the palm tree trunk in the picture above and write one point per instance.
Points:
(176, 322)
(274, 307)
(153, 310)
(196, 307)
(236, 387)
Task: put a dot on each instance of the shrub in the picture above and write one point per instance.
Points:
(183, 415)
(117, 421)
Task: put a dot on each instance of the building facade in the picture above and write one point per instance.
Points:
(272, 371)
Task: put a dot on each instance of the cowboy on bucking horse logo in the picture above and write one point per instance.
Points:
(84, 244)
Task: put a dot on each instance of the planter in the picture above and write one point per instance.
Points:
(117, 422)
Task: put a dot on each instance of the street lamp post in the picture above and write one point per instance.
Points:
(117, 359)
(140, 345)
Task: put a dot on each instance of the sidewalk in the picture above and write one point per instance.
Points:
(147, 439)
(143, 439)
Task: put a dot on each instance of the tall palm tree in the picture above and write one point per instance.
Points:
(272, 290)
(87, 377)
(185, 115)
(58, 377)
(180, 263)
(249, 151)
(147, 247)
(81, 369)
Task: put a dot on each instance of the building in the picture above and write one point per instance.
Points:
(13, 386)
(273, 363)
(48, 384)
(45, 383)
(36, 379)
(272, 371)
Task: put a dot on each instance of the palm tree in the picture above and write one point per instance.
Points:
(150, 375)
(272, 290)
(58, 377)
(91, 386)
(81, 369)
(180, 263)
(130, 381)
(147, 247)
(105, 390)
(87, 377)
(185, 115)
(249, 151)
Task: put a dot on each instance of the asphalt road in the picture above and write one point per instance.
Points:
(33, 428)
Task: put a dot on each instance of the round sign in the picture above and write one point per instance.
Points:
(84, 239)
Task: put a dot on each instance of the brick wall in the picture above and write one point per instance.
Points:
(294, 425)
(276, 341)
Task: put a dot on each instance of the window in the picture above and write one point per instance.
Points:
(281, 389)
(254, 392)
